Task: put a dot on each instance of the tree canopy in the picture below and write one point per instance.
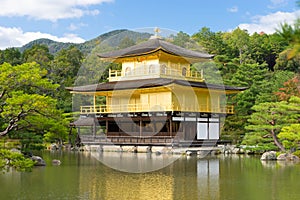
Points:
(24, 103)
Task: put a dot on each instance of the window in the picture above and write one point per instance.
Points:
(183, 71)
(151, 69)
(127, 71)
(163, 69)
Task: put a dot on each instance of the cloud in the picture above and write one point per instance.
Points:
(233, 9)
(15, 37)
(49, 9)
(269, 23)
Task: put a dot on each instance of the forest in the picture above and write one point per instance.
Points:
(35, 107)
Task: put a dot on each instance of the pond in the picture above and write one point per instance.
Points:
(82, 176)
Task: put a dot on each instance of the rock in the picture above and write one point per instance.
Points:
(287, 157)
(149, 149)
(15, 150)
(56, 162)
(236, 150)
(53, 147)
(269, 155)
(134, 149)
(38, 161)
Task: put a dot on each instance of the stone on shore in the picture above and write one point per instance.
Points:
(56, 162)
(287, 157)
(269, 155)
(38, 161)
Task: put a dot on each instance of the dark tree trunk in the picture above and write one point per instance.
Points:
(277, 142)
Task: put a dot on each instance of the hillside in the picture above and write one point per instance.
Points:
(111, 39)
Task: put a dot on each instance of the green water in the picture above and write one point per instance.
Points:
(82, 176)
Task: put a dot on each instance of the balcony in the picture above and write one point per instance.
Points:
(135, 108)
(154, 71)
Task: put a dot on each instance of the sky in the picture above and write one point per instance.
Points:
(22, 21)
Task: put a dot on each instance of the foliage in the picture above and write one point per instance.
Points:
(212, 73)
(297, 153)
(39, 54)
(291, 88)
(126, 42)
(285, 62)
(212, 42)
(15, 160)
(290, 136)
(268, 120)
(63, 71)
(10, 55)
(291, 33)
(24, 106)
(238, 40)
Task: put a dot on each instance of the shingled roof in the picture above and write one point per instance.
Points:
(154, 45)
(148, 83)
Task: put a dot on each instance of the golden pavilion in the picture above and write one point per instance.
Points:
(155, 99)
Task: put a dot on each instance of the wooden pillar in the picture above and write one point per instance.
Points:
(94, 103)
(94, 129)
(141, 127)
(170, 121)
(106, 126)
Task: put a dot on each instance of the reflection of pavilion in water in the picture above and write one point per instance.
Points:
(177, 181)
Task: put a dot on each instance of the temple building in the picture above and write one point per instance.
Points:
(155, 99)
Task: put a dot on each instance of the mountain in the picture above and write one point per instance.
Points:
(111, 39)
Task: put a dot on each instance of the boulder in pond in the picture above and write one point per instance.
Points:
(56, 162)
(38, 161)
(269, 155)
(288, 157)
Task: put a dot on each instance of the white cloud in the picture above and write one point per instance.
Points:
(233, 9)
(15, 37)
(49, 9)
(269, 23)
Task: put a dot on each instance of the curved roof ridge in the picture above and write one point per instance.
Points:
(152, 45)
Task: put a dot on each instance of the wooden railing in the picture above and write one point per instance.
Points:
(157, 70)
(131, 108)
(127, 139)
(148, 141)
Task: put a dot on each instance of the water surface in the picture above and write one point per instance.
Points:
(83, 176)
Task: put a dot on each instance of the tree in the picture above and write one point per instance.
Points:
(16, 160)
(39, 54)
(63, 71)
(291, 33)
(291, 88)
(268, 120)
(290, 136)
(238, 40)
(126, 42)
(285, 62)
(24, 107)
(212, 42)
(11, 55)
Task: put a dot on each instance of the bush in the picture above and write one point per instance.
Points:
(16, 160)
(297, 153)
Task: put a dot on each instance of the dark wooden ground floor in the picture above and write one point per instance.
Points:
(147, 129)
